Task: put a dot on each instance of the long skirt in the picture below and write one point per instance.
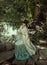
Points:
(20, 51)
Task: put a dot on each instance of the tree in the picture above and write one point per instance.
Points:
(14, 10)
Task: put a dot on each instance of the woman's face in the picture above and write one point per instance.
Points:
(23, 24)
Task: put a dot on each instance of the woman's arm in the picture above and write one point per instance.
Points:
(20, 33)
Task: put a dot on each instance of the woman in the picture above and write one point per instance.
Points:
(24, 49)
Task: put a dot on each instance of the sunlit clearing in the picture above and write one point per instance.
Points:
(8, 30)
(11, 32)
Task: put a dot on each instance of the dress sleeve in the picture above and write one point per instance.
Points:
(25, 34)
(18, 36)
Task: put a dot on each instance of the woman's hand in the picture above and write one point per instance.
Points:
(20, 33)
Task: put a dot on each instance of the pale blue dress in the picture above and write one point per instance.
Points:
(24, 49)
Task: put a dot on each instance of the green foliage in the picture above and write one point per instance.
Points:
(15, 10)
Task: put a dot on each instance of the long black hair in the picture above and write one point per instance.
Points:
(26, 22)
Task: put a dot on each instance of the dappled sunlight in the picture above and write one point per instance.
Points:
(8, 30)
